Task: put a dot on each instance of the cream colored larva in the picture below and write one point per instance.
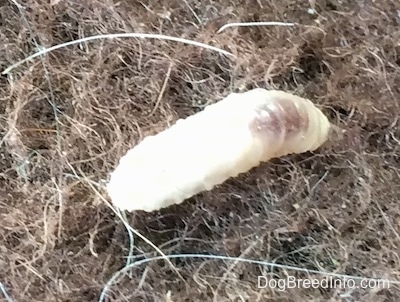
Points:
(225, 139)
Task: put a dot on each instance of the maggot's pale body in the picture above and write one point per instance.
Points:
(225, 139)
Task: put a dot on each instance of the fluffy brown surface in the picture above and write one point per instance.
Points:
(66, 119)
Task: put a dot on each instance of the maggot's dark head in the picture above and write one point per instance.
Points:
(281, 117)
(291, 123)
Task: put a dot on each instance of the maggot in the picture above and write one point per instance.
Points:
(225, 139)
